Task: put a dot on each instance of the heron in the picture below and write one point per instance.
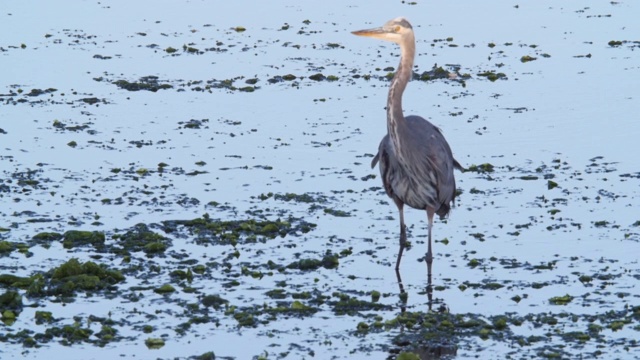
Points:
(415, 161)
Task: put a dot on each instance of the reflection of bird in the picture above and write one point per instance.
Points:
(416, 163)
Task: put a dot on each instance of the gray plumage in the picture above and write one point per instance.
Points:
(416, 163)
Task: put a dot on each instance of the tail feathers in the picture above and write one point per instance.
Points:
(374, 162)
(443, 211)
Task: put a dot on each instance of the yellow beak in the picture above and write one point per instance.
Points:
(378, 32)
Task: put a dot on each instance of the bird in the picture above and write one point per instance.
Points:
(415, 161)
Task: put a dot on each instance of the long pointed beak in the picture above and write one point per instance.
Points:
(378, 32)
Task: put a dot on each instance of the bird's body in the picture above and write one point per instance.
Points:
(426, 179)
(416, 163)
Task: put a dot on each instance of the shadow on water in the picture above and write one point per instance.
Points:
(423, 338)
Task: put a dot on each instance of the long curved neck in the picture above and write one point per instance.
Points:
(395, 117)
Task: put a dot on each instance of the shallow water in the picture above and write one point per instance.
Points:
(569, 117)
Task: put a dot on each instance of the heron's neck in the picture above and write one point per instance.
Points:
(403, 75)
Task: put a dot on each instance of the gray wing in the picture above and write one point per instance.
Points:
(424, 174)
(433, 159)
(376, 158)
(384, 156)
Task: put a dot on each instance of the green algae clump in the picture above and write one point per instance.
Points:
(75, 276)
(75, 238)
(482, 168)
(148, 83)
(408, 356)
(492, 75)
(11, 301)
(69, 333)
(329, 261)
(16, 281)
(140, 238)
(47, 236)
(214, 301)
(154, 343)
(5, 247)
(165, 289)
(347, 305)
(232, 232)
(561, 300)
(44, 317)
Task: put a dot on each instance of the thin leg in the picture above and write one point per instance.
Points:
(403, 306)
(403, 233)
(429, 257)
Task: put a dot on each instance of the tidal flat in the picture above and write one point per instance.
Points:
(191, 180)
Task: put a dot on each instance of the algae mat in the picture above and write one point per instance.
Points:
(191, 180)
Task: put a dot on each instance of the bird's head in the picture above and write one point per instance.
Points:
(395, 30)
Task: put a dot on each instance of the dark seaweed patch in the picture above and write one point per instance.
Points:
(148, 83)
(140, 238)
(328, 261)
(75, 238)
(232, 232)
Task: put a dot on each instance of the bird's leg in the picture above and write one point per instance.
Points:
(403, 232)
(429, 257)
(403, 306)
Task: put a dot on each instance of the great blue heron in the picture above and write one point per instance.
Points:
(416, 163)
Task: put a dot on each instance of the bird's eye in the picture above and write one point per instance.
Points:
(397, 28)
